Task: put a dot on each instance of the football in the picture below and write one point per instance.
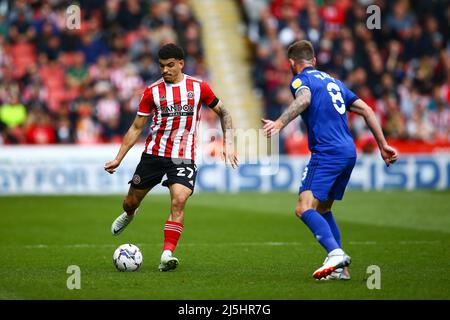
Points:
(127, 257)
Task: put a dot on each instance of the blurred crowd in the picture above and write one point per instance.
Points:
(69, 85)
(402, 70)
(82, 85)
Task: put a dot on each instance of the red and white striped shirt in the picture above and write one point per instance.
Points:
(176, 115)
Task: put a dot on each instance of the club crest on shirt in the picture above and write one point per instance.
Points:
(297, 83)
(136, 179)
(190, 94)
(162, 98)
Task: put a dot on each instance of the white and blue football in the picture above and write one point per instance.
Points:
(128, 257)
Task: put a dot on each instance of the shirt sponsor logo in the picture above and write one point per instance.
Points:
(177, 110)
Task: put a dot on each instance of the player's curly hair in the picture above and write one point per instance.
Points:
(302, 50)
(171, 50)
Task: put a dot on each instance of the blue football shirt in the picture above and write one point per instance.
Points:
(326, 118)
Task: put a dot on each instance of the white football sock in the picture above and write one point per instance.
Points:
(166, 254)
(336, 252)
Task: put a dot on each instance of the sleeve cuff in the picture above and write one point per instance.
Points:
(300, 88)
(213, 103)
(350, 102)
(143, 114)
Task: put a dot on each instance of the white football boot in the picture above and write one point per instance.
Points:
(167, 261)
(122, 222)
(336, 259)
(338, 274)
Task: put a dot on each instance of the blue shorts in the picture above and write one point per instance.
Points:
(327, 177)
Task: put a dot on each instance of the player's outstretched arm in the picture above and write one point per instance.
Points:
(300, 103)
(388, 153)
(229, 153)
(128, 141)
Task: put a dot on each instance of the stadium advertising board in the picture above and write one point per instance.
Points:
(79, 170)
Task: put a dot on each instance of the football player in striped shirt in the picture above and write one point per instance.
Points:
(174, 102)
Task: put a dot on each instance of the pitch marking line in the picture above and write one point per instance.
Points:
(240, 244)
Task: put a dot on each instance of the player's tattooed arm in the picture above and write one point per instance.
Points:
(129, 140)
(224, 116)
(226, 122)
(388, 153)
(300, 103)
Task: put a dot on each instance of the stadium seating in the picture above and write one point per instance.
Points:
(402, 70)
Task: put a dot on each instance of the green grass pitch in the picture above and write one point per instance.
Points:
(234, 246)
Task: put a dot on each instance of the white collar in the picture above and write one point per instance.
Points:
(176, 84)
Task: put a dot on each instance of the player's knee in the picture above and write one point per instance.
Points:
(178, 203)
(306, 202)
(300, 209)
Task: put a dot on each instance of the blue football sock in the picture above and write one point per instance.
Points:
(333, 226)
(320, 228)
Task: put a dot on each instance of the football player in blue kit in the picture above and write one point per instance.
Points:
(322, 102)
